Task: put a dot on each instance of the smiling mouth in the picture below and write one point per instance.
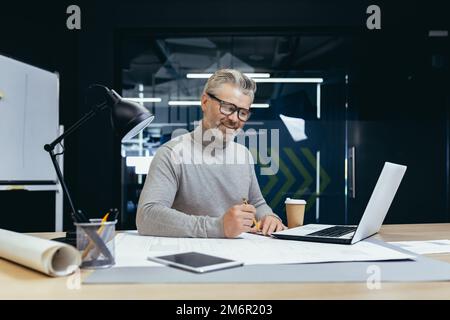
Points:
(232, 128)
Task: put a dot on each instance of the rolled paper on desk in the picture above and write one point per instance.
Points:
(47, 256)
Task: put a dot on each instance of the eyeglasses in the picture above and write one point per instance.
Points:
(228, 109)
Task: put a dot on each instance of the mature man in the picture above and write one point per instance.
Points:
(197, 182)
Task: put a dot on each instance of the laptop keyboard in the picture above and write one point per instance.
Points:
(336, 231)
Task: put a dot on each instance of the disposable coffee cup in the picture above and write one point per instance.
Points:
(295, 212)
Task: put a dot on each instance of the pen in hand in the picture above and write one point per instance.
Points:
(255, 223)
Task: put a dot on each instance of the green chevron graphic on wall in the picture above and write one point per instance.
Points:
(290, 165)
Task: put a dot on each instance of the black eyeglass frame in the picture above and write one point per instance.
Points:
(236, 108)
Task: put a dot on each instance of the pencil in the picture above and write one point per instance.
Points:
(99, 231)
(256, 223)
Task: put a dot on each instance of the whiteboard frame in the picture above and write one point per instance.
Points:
(36, 185)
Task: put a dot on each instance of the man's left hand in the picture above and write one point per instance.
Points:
(270, 224)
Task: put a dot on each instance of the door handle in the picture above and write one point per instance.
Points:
(351, 172)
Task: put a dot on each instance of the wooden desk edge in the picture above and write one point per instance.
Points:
(23, 283)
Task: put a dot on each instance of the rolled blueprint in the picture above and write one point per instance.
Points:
(47, 256)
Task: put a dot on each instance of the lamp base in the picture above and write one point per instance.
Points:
(70, 238)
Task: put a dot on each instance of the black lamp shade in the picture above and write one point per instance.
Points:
(128, 118)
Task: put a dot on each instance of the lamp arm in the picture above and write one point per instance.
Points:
(74, 213)
(51, 146)
(76, 217)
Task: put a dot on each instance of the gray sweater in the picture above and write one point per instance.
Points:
(192, 183)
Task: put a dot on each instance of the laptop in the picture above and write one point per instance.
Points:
(371, 221)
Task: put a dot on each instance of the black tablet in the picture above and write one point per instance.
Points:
(196, 262)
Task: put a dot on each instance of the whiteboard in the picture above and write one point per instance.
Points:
(29, 118)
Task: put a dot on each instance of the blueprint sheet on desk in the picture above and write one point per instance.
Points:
(132, 250)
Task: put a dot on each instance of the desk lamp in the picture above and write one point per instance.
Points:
(128, 119)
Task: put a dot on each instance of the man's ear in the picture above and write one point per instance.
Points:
(203, 101)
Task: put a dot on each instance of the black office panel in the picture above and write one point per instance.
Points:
(27, 211)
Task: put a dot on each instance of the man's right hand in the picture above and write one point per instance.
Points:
(238, 219)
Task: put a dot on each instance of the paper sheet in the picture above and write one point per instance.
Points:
(425, 247)
(133, 250)
(295, 126)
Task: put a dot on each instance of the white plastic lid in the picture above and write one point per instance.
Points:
(294, 201)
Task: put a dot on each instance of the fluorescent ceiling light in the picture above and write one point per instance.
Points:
(198, 103)
(198, 75)
(258, 75)
(290, 80)
(144, 99)
(260, 105)
(207, 75)
(184, 103)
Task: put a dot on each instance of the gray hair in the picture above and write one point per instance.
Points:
(245, 84)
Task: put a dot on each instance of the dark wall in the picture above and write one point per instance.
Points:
(36, 33)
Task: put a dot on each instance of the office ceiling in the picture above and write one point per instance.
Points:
(161, 64)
